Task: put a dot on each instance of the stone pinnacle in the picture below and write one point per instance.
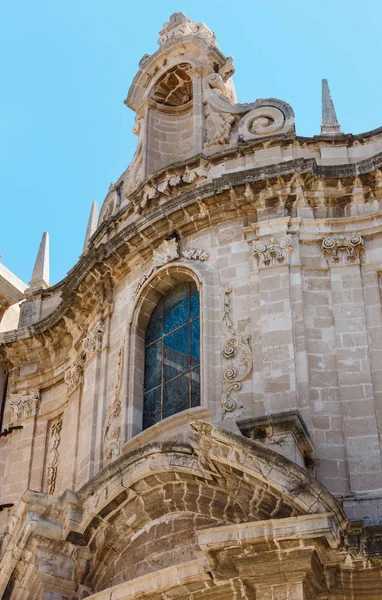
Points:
(330, 125)
(40, 275)
(92, 224)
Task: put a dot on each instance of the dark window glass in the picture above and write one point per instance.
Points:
(172, 355)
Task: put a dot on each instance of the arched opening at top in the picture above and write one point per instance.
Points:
(172, 355)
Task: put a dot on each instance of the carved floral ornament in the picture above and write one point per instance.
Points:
(272, 252)
(25, 405)
(167, 252)
(238, 352)
(343, 248)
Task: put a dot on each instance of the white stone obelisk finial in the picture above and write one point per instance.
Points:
(40, 275)
(330, 125)
(92, 224)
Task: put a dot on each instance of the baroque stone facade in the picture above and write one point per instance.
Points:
(230, 295)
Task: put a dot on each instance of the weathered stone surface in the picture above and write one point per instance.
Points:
(271, 488)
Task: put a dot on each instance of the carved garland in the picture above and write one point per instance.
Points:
(237, 350)
(25, 405)
(349, 249)
(167, 252)
(112, 430)
(53, 455)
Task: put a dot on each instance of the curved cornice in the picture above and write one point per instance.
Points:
(113, 242)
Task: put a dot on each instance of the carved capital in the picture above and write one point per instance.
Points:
(25, 405)
(343, 249)
(273, 252)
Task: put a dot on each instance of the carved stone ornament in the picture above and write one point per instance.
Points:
(273, 252)
(3, 303)
(168, 186)
(238, 352)
(255, 120)
(75, 373)
(179, 26)
(25, 405)
(112, 429)
(53, 455)
(93, 340)
(349, 249)
(167, 252)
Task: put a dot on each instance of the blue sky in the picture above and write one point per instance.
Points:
(66, 68)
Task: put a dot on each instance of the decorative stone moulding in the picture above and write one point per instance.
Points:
(53, 454)
(112, 429)
(272, 253)
(343, 248)
(25, 405)
(168, 251)
(237, 351)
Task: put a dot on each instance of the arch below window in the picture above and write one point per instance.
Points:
(172, 355)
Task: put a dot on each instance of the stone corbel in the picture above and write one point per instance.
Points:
(168, 186)
(343, 249)
(25, 405)
(272, 253)
(237, 351)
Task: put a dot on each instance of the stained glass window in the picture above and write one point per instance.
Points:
(172, 355)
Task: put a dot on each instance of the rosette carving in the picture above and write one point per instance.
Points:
(237, 351)
(341, 247)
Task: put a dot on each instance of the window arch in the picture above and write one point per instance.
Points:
(172, 355)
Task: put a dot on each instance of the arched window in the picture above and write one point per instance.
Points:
(172, 355)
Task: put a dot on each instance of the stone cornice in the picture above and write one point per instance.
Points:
(113, 242)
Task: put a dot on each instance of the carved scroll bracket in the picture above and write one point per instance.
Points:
(74, 374)
(93, 340)
(166, 253)
(237, 351)
(342, 249)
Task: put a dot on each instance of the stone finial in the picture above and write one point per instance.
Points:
(40, 275)
(92, 224)
(330, 125)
